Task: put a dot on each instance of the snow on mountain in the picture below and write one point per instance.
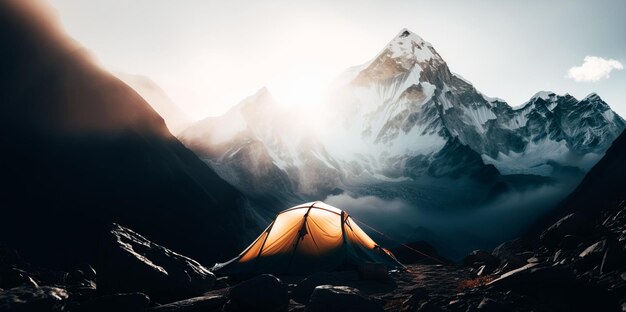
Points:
(400, 118)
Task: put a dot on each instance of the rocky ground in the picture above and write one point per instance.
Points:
(564, 272)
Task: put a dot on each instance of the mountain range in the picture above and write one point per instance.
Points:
(404, 126)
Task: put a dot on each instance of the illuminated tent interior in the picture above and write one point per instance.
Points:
(312, 237)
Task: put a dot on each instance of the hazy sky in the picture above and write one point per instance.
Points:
(208, 55)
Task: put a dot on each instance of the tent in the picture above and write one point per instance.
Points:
(308, 238)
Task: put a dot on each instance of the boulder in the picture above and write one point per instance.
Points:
(33, 299)
(478, 258)
(572, 224)
(490, 305)
(329, 298)
(510, 248)
(13, 277)
(262, 293)
(569, 242)
(418, 295)
(428, 306)
(533, 275)
(197, 304)
(82, 276)
(131, 263)
(594, 251)
(117, 302)
(303, 290)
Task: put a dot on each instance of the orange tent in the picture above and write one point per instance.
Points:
(312, 237)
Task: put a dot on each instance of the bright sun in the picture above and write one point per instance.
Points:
(301, 86)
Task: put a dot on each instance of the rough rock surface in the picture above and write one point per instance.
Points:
(329, 298)
(30, 298)
(262, 293)
(130, 263)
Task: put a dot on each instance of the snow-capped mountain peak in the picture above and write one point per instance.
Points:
(409, 45)
(404, 116)
(592, 97)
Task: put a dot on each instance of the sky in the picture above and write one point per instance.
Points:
(209, 55)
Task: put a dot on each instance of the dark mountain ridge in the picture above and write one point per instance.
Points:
(81, 150)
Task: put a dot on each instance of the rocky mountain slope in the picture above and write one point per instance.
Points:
(81, 149)
(175, 119)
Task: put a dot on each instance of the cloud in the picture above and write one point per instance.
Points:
(594, 69)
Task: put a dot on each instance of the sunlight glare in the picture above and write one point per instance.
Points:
(301, 87)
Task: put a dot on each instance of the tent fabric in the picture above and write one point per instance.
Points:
(308, 238)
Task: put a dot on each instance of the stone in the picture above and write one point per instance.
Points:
(116, 302)
(478, 258)
(131, 263)
(594, 250)
(569, 242)
(329, 298)
(30, 298)
(418, 296)
(303, 290)
(490, 305)
(572, 224)
(197, 304)
(262, 293)
(13, 277)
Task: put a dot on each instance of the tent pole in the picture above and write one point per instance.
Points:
(263, 244)
(300, 234)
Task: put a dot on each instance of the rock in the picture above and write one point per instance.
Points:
(572, 224)
(507, 267)
(534, 260)
(117, 302)
(606, 253)
(328, 298)
(88, 271)
(484, 270)
(513, 254)
(197, 304)
(594, 251)
(84, 275)
(13, 277)
(33, 299)
(510, 248)
(490, 305)
(304, 289)
(524, 256)
(569, 242)
(75, 277)
(262, 293)
(418, 295)
(131, 263)
(532, 275)
(428, 306)
(478, 258)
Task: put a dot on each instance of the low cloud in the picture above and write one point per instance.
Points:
(594, 69)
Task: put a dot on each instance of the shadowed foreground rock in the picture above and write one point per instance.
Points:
(197, 304)
(329, 298)
(29, 298)
(117, 302)
(303, 290)
(262, 293)
(130, 263)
